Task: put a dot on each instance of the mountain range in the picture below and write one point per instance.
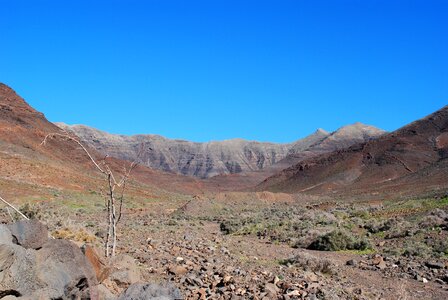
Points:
(205, 160)
(355, 160)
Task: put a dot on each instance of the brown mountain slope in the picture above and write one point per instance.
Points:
(59, 164)
(327, 142)
(411, 159)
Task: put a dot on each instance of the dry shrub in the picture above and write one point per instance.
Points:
(399, 229)
(338, 240)
(76, 235)
(308, 262)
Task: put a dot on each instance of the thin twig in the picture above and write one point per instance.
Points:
(9, 213)
(76, 141)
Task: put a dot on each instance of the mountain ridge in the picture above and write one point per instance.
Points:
(410, 158)
(209, 159)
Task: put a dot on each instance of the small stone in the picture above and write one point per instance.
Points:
(227, 279)
(271, 289)
(434, 265)
(379, 262)
(293, 293)
(312, 277)
(445, 278)
(178, 270)
(351, 262)
(151, 291)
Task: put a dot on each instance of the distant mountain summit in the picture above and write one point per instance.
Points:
(205, 160)
(412, 159)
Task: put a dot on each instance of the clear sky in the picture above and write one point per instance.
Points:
(219, 69)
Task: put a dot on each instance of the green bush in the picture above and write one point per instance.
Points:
(415, 248)
(338, 240)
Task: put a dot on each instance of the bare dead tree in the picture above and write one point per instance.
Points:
(113, 213)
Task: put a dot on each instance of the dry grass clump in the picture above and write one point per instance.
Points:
(308, 262)
(76, 235)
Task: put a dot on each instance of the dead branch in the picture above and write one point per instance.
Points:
(52, 135)
(13, 207)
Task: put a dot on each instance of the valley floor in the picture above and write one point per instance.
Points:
(242, 246)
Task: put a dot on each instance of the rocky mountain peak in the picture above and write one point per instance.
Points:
(357, 130)
(321, 131)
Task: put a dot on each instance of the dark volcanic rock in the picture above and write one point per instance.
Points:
(63, 267)
(29, 233)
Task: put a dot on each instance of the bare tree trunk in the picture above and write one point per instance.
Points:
(112, 217)
(114, 230)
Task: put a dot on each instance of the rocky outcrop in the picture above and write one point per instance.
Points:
(209, 159)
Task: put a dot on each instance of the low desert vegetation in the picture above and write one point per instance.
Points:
(411, 228)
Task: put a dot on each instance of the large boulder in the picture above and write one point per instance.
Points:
(150, 291)
(65, 270)
(30, 234)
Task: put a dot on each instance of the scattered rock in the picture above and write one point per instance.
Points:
(351, 262)
(379, 262)
(177, 270)
(150, 291)
(445, 278)
(271, 289)
(434, 265)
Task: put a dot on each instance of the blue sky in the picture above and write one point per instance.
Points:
(213, 70)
